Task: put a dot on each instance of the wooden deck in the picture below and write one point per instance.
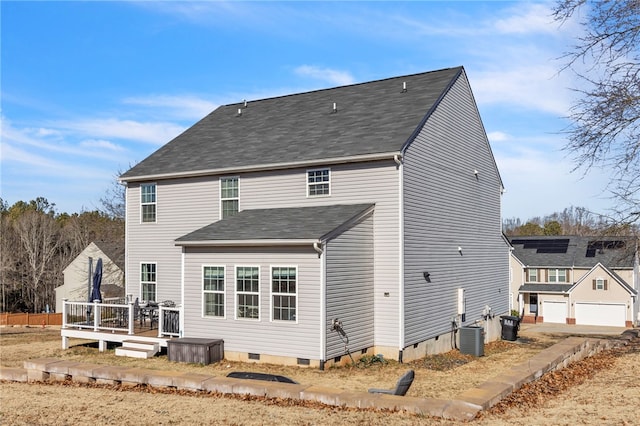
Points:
(141, 333)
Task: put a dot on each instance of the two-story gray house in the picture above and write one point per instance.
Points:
(298, 229)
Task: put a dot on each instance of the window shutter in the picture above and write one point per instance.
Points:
(605, 284)
(594, 284)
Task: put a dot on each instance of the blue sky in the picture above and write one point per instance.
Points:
(91, 88)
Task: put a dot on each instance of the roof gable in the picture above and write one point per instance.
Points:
(370, 118)
(616, 278)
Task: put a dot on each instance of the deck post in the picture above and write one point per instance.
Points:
(160, 320)
(96, 316)
(102, 345)
(131, 316)
(64, 315)
(65, 342)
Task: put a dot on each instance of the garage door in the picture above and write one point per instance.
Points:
(600, 314)
(554, 312)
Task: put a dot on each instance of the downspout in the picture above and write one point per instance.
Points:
(398, 160)
(183, 310)
(317, 246)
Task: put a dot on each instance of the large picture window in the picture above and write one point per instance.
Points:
(229, 196)
(213, 291)
(284, 293)
(318, 182)
(148, 202)
(248, 292)
(148, 281)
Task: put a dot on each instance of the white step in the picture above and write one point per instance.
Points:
(138, 349)
(134, 353)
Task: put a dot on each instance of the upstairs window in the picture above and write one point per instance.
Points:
(557, 275)
(213, 291)
(284, 293)
(318, 182)
(229, 196)
(532, 275)
(148, 281)
(148, 202)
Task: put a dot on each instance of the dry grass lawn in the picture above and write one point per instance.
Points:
(615, 401)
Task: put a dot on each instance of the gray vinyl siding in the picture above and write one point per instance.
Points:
(184, 205)
(350, 289)
(181, 207)
(279, 338)
(446, 207)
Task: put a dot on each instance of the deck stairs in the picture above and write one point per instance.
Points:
(138, 349)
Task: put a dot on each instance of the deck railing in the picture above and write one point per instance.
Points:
(118, 317)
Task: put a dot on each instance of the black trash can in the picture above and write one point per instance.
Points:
(510, 327)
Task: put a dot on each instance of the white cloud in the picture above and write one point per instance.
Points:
(527, 18)
(101, 144)
(497, 136)
(135, 131)
(185, 107)
(325, 74)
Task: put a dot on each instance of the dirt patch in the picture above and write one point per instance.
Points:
(437, 376)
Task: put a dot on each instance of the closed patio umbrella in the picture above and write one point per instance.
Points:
(97, 280)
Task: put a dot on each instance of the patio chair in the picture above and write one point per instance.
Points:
(401, 387)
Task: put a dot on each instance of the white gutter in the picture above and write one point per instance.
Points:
(264, 167)
(245, 243)
(317, 246)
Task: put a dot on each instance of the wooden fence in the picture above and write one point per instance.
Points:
(30, 319)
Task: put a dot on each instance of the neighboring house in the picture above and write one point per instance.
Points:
(77, 282)
(576, 280)
(371, 209)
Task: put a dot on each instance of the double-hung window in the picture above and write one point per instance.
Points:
(532, 275)
(599, 284)
(557, 275)
(248, 292)
(148, 281)
(318, 182)
(148, 202)
(229, 196)
(213, 291)
(284, 292)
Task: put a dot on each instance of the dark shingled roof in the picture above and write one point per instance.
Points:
(372, 118)
(578, 251)
(298, 223)
(545, 288)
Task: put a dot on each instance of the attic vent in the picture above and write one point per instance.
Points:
(404, 86)
(335, 107)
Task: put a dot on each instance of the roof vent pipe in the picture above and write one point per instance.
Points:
(404, 86)
(335, 107)
(239, 111)
(245, 102)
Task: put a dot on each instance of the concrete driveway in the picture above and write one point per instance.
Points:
(580, 330)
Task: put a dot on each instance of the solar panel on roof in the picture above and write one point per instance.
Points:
(555, 245)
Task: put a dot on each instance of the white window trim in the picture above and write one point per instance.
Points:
(557, 270)
(155, 203)
(529, 275)
(308, 185)
(236, 292)
(600, 279)
(141, 282)
(224, 291)
(227, 199)
(272, 293)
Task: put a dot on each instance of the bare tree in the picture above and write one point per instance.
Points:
(114, 200)
(38, 234)
(605, 130)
